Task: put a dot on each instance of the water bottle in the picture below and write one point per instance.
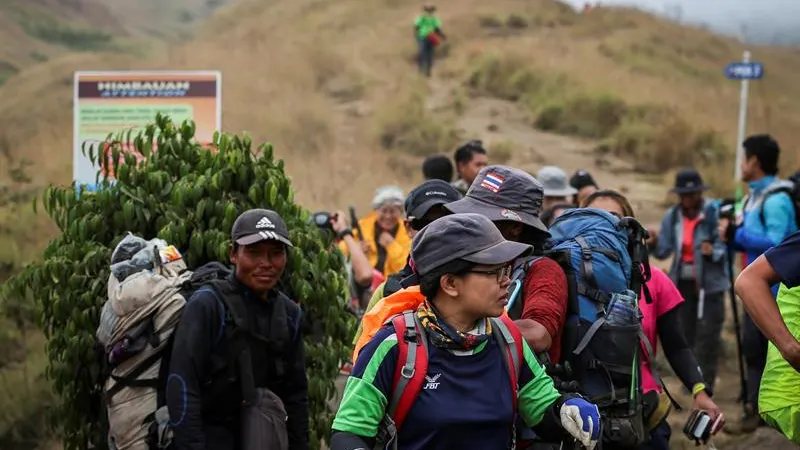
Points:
(623, 309)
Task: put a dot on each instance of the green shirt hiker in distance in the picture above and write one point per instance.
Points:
(426, 24)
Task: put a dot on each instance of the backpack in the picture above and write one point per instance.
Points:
(136, 365)
(412, 368)
(605, 261)
(791, 188)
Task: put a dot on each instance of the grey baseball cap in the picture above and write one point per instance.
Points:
(555, 182)
(258, 225)
(471, 237)
(504, 193)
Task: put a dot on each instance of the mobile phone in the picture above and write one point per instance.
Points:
(717, 424)
(513, 293)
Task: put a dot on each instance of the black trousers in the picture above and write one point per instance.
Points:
(703, 335)
(754, 347)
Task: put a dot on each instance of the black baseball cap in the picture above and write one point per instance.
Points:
(688, 181)
(427, 195)
(258, 225)
(504, 193)
(582, 178)
(471, 237)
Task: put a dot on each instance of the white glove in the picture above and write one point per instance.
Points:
(581, 420)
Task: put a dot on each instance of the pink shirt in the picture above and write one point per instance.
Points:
(665, 297)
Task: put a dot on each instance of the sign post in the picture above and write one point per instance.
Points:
(743, 71)
(111, 102)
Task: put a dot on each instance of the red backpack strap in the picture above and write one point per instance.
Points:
(509, 339)
(411, 368)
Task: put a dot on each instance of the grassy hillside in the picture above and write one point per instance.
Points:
(333, 85)
(34, 31)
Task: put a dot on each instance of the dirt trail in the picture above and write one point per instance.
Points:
(494, 120)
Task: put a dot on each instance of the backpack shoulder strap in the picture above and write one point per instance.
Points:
(509, 339)
(769, 193)
(411, 368)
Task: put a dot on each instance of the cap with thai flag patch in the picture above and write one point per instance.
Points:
(258, 225)
(492, 181)
(504, 193)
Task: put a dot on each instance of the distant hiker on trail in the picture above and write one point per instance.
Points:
(585, 185)
(470, 158)
(689, 234)
(556, 188)
(769, 216)
(779, 396)
(661, 319)
(454, 373)
(385, 240)
(216, 366)
(428, 32)
(424, 204)
(438, 167)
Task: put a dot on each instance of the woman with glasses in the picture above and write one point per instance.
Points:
(661, 319)
(479, 374)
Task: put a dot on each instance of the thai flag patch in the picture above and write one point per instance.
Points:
(492, 182)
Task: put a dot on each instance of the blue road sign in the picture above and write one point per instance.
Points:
(744, 71)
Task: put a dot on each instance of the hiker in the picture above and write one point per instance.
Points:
(512, 198)
(470, 158)
(584, 183)
(779, 396)
(689, 234)
(660, 319)
(438, 167)
(556, 188)
(428, 32)
(768, 217)
(552, 213)
(473, 374)
(424, 204)
(385, 240)
(206, 386)
(360, 274)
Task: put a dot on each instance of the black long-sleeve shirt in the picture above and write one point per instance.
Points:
(205, 414)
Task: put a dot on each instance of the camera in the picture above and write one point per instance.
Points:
(701, 426)
(323, 220)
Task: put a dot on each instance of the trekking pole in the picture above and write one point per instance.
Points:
(738, 330)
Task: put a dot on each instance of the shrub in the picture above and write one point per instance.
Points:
(591, 116)
(511, 77)
(408, 126)
(490, 21)
(501, 152)
(188, 195)
(516, 21)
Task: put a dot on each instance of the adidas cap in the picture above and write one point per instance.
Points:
(258, 225)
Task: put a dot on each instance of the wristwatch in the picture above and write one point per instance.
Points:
(345, 232)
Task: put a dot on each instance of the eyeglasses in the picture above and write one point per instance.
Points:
(500, 273)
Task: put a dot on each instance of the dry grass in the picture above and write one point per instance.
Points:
(317, 79)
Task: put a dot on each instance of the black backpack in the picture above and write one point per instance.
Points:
(793, 191)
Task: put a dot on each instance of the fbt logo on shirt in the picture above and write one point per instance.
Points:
(432, 383)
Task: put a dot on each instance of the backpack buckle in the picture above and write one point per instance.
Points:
(586, 253)
(407, 372)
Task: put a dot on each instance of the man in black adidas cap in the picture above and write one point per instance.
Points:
(203, 401)
(424, 204)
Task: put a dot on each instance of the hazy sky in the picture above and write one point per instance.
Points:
(725, 14)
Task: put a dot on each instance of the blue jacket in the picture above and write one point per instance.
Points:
(754, 237)
(712, 271)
